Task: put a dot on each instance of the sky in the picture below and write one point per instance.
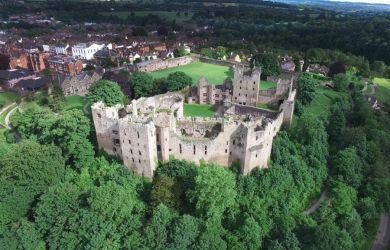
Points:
(365, 1)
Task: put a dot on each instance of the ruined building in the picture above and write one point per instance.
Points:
(152, 129)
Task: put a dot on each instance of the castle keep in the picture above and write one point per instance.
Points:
(153, 129)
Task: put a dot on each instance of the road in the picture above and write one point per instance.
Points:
(317, 204)
(382, 238)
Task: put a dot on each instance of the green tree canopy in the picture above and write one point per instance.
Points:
(142, 84)
(306, 88)
(269, 64)
(178, 80)
(105, 91)
(214, 191)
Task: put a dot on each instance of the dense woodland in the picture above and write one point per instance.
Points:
(58, 192)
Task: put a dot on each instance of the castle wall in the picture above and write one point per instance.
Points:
(107, 128)
(143, 136)
(158, 64)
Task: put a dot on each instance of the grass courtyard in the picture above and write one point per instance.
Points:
(383, 90)
(216, 74)
(202, 110)
(264, 85)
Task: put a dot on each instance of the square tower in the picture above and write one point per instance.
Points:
(246, 85)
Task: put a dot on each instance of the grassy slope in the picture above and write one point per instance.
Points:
(267, 85)
(203, 110)
(323, 100)
(8, 97)
(383, 90)
(216, 74)
(75, 102)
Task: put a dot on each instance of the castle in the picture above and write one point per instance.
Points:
(152, 129)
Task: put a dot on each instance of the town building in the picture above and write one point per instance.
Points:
(65, 65)
(9, 78)
(80, 83)
(86, 50)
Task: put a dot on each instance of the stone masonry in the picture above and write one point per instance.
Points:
(151, 130)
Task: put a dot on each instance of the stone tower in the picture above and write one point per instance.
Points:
(246, 84)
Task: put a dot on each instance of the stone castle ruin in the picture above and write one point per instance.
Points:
(152, 129)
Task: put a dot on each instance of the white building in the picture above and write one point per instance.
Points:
(61, 49)
(86, 50)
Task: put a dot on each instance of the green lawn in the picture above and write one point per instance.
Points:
(203, 110)
(267, 85)
(383, 90)
(323, 100)
(165, 15)
(75, 102)
(8, 97)
(216, 74)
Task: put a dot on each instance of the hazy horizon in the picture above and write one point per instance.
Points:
(364, 1)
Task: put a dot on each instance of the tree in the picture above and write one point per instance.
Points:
(180, 51)
(178, 80)
(378, 67)
(57, 100)
(336, 126)
(328, 236)
(142, 84)
(214, 191)
(306, 88)
(343, 198)
(341, 82)
(269, 64)
(220, 52)
(156, 232)
(185, 232)
(207, 52)
(347, 165)
(30, 162)
(336, 68)
(105, 91)
(167, 191)
(22, 235)
(27, 170)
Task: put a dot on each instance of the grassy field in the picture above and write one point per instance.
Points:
(8, 97)
(216, 74)
(203, 110)
(165, 15)
(267, 85)
(75, 102)
(323, 100)
(383, 90)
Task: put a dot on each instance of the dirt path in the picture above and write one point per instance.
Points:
(9, 125)
(382, 238)
(7, 107)
(317, 204)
